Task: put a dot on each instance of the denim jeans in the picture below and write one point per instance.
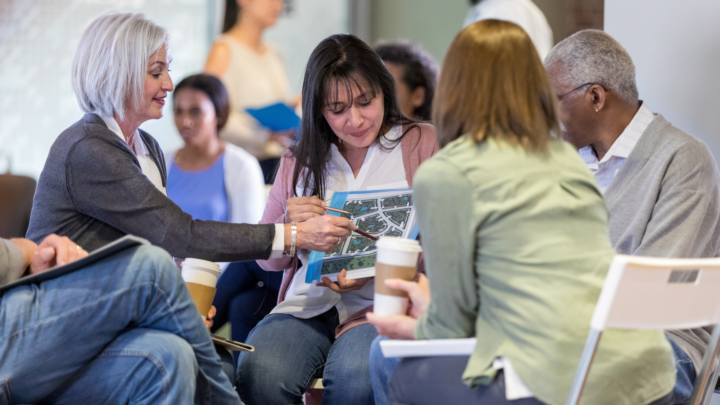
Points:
(123, 330)
(685, 375)
(245, 295)
(290, 352)
(381, 368)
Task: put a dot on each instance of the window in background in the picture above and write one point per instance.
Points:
(38, 39)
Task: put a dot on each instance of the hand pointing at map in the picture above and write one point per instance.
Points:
(321, 233)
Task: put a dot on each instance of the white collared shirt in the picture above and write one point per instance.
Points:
(606, 169)
(382, 169)
(151, 171)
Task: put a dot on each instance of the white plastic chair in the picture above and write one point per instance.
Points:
(654, 293)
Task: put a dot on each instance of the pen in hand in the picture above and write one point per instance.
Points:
(365, 234)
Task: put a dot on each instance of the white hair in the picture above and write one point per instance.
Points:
(592, 56)
(110, 65)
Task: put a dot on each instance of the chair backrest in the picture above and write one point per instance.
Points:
(658, 293)
(16, 200)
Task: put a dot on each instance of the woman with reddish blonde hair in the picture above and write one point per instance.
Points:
(516, 247)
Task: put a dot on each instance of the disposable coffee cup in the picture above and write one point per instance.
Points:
(396, 258)
(201, 277)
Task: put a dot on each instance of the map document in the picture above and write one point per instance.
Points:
(377, 212)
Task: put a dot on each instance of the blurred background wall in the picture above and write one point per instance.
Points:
(38, 39)
(676, 50)
(434, 23)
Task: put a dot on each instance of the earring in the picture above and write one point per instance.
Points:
(596, 110)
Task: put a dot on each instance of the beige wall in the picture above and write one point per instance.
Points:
(430, 23)
(434, 23)
(554, 11)
(676, 69)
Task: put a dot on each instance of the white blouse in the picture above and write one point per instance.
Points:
(382, 169)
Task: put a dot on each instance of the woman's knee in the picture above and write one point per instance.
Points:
(283, 363)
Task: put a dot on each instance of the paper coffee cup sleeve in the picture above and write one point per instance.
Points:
(385, 271)
(202, 296)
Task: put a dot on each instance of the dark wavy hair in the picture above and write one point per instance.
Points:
(419, 70)
(339, 60)
(214, 89)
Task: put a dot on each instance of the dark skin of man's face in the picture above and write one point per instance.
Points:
(575, 110)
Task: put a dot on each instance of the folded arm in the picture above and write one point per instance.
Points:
(17, 255)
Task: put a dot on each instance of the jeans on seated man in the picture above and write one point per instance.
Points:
(122, 330)
(661, 185)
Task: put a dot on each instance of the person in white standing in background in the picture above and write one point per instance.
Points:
(254, 74)
(521, 12)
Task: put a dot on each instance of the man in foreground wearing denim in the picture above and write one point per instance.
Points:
(121, 331)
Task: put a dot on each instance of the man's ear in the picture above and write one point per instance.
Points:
(598, 96)
(417, 98)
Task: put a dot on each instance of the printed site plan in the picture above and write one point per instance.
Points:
(379, 213)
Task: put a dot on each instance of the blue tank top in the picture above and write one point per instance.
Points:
(200, 193)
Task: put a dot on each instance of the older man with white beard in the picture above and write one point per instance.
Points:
(661, 184)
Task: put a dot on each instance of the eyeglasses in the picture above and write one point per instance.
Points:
(575, 89)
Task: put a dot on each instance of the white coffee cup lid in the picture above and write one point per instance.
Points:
(202, 264)
(393, 242)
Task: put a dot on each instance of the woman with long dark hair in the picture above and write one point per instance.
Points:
(254, 73)
(353, 138)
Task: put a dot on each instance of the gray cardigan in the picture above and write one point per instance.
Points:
(93, 191)
(665, 202)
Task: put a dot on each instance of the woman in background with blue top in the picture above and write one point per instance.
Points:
(213, 180)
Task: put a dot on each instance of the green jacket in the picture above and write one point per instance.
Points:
(516, 250)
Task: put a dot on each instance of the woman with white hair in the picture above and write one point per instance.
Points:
(105, 178)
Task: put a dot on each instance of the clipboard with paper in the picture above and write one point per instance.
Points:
(379, 213)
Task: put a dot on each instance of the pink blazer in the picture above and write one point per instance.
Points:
(417, 146)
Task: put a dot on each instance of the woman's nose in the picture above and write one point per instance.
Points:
(356, 118)
(167, 84)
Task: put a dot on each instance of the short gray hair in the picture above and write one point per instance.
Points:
(109, 68)
(592, 56)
